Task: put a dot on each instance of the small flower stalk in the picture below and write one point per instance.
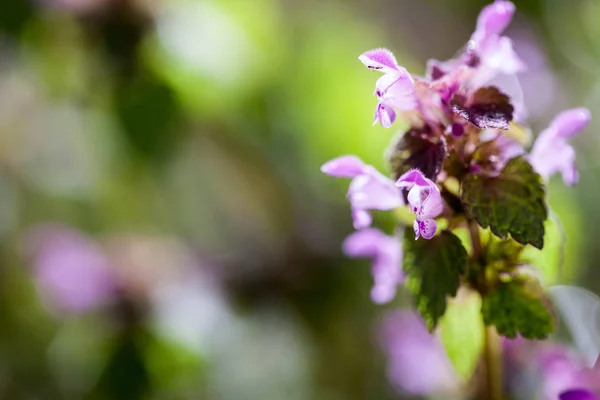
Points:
(472, 179)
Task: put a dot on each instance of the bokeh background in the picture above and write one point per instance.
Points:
(165, 231)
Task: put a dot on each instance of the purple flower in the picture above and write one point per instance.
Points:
(552, 153)
(488, 54)
(578, 394)
(491, 53)
(493, 20)
(395, 89)
(539, 82)
(552, 368)
(71, 271)
(561, 371)
(417, 361)
(425, 202)
(386, 253)
(369, 189)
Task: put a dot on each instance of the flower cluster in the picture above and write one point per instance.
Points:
(467, 171)
(463, 123)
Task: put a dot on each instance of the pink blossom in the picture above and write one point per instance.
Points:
(425, 202)
(394, 90)
(552, 153)
(368, 190)
(386, 254)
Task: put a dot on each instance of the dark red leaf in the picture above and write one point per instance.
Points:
(487, 108)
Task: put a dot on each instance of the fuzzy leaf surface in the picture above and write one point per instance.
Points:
(518, 308)
(511, 203)
(433, 269)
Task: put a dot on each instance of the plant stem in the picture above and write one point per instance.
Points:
(493, 364)
(492, 387)
(475, 240)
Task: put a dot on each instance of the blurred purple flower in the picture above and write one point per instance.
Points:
(490, 53)
(539, 82)
(417, 362)
(487, 53)
(369, 189)
(548, 368)
(425, 202)
(492, 21)
(561, 371)
(71, 271)
(578, 394)
(552, 153)
(386, 254)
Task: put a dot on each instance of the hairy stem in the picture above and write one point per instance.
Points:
(475, 240)
(493, 364)
(492, 387)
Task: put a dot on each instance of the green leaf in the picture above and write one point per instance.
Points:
(550, 259)
(512, 202)
(518, 307)
(502, 255)
(463, 333)
(417, 148)
(433, 268)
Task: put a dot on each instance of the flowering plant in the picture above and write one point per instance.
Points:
(476, 187)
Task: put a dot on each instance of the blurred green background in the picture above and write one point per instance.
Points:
(177, 143)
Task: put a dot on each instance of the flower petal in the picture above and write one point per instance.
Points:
(493, 20)
(417, 362)
(397, 90)
(384, 115)
(424, 196)
(578, 394)
(386, 268)
(361, 219)
(379, 59)
(348, 166)
(417, 229)
(411, 178)
(363, 243)
(433, 205)
(551, 153)
(383, 293)
(417, 196)
(500, 56)
(570, 122)
(427, 228)
(436, 69)
(374, 191)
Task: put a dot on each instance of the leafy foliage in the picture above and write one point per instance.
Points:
(462, 333)
(518, 307)
(417, 148)
(500, 255)
(433, 268)
(487, 108)
(512, 202)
